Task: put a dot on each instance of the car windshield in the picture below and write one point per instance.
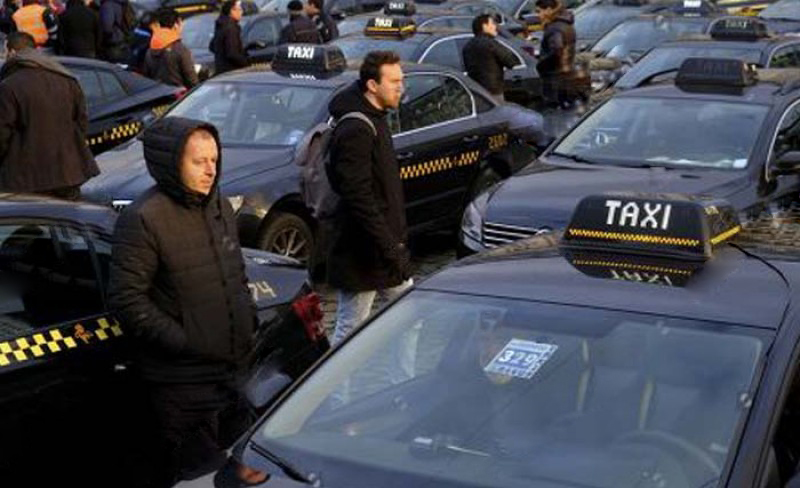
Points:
(784, 9)
(593, 23)
(664, 59)
(636, 37)
(687, 132)
(352, 25)
(358, 47)
(256, 114)
(464, 391)
(198, 31)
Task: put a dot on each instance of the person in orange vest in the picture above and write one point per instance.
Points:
(38, 21)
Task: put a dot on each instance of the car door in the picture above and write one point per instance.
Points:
(438, 146)
(786, 56)
(261, 39)
(57, 348)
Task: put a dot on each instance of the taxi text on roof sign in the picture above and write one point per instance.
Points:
(667, 225)
(400, 8)
(390, 27)
(301, 58)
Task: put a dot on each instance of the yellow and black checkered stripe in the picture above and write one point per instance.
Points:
(632, 267)
(58, 340)
(160, 110)
(623, 236)
(192, 8)
(117, 133)
(439, 164)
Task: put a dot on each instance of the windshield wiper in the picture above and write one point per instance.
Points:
(574, 157)
(288, 468)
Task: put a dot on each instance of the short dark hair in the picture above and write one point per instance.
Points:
(479, 21)
(167, 18)
(319, 4)
(227, 6)
(371, 66)
(548, 3)
(294, 6)
(20, 40)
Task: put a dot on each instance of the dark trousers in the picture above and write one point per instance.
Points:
(194, 425)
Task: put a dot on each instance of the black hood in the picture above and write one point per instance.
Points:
(545, 195)
(31, 58)
(352, 99)
(163, 147)
(565, 16)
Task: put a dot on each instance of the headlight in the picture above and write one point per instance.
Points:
(472, 222)
(236, 202)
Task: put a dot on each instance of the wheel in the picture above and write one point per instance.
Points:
(287, 234)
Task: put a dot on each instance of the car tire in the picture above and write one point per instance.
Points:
(287, 234)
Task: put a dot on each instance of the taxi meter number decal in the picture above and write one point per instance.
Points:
(521, 359)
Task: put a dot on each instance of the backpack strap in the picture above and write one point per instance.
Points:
(359, 116)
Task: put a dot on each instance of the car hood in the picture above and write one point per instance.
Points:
(124, 175)
(544, 195)
(272, 279)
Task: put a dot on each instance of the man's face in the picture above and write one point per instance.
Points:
(546, 15)
(311, 10)
(490, 28)
(199, 162)
(390, 89)
(236, 12)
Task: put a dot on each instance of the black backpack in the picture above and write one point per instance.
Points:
(314, 159)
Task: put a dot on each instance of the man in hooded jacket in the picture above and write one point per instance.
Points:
(556, 63)
(168, 60)
(229, 53)
(42, 144)
(178, 287)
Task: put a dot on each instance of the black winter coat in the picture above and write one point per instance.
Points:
(557, 55)
(79, 32)
(178, 282)
(172, 65)
(300, 29)
(367, 241)
(229, 53)
(43, 124)
(328, 30)
(484, 59)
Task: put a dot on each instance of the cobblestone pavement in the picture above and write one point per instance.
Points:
(428, 254)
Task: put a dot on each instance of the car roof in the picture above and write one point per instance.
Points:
(732, 287)
(707, 41)
(15, 205)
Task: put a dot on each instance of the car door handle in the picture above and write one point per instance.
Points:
(470, 138)
(405, 156)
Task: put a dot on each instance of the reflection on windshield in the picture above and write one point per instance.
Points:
(352, 25)
(683, 132)
(255, 114)
(357, 47)
(660, 60)
(501, 393)
(634, 38)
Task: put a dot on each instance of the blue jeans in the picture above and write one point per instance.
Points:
(354, 307)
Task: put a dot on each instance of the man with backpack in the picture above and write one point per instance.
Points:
(117, 20)
(168, 60)
(367, 251)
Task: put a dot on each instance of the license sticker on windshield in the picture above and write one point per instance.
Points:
(520, 359)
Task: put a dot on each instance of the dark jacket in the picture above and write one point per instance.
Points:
(229, 53)
(367, 243)
(112, 21)
(484, 59)
(172, 65)
(43, 126)
(300, 29)
(557, 55)
(79, 32)
(326, 26)
(178, 283)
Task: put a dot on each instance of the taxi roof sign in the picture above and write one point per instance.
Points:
(390, 27)
(398, 7)
(637, 269)
(715, 72)
(305, 58)
(660, 225)
(739, 29)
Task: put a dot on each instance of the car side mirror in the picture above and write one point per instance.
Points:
(788, 163)
(255, 45)
(265, 384)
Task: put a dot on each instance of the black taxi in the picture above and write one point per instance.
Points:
(444, 47)
(653, 343)
(452, 141)
(69, 412)
(720, 128)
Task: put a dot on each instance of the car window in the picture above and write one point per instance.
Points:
(432, 99)
(784, 9)
(47, 277)
(357, 47)
(788, 138)
(348, 6)
(112, 88)
(449, 22)
(445, 53)
(90, 85)
(785, 57)
(198, 30)
(264, 30)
